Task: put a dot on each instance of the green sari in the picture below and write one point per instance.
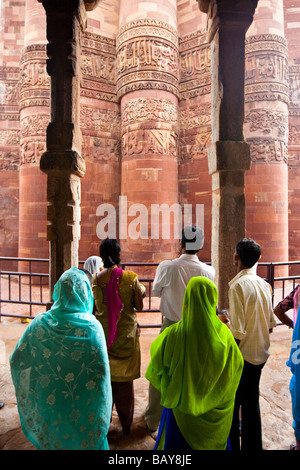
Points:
(196, 365)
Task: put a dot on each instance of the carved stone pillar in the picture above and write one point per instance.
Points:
(195, 122)
(229, 155)
(11, 41)
(147, 85)
(62, 161)
(294, 160)
(266, 130)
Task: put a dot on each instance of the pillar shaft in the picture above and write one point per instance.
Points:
(11, 37)
(229, 155)
(147, 85)
(34, 101)
(62, 161)
(266, 131)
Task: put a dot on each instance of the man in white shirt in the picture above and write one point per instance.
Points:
(251, 319)
(171, 279)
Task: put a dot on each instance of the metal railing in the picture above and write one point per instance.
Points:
(30, 289)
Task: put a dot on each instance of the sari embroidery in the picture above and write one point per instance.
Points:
(60, 372)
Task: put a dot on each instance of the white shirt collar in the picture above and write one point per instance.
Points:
(188, 256)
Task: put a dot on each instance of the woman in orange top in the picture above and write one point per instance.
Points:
(117, 295)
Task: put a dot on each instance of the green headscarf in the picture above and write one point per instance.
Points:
(196, 365)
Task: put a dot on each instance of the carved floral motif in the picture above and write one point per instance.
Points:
(9, 160)
(31, 151)
(149, 109)
(94, 119)
(267, 121)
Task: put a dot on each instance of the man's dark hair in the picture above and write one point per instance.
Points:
(249, 252)
(192, 239)
(110, 252)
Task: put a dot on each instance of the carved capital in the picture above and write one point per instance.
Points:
(227, 13)
(58, 9)
(67, 160)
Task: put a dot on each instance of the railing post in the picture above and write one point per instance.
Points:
(271, 281)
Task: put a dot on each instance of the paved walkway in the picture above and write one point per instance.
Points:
(275, 397)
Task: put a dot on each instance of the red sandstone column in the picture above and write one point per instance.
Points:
(195, 116)
(11, 43)
(266, 130)
(100, 123)
(147, 85)
(34, 117)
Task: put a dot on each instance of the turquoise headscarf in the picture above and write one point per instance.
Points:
(60, 372)
(196, 365)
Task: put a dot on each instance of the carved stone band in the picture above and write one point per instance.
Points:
(147, 57)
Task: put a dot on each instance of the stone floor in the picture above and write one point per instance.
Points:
(275, 398)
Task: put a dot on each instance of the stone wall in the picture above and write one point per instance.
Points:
(146, 126)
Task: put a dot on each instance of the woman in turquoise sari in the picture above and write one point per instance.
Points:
(60, 371)
(294, 364)
(196, 365)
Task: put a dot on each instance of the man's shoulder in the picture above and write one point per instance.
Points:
(167, 263)
(207, 267)
(249, 280)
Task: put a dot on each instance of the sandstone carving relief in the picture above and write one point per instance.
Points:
(149, 109)
(294, 85)
(9, 137)
(98, 67)
(32, 150)
(267, 122)
(149, 141)
(9, 88)
(268, 150)
(95, 120)
(266, 74)
(9, 160)
(294, 159)
(34, 83)
(194, 65)
(101, 149)
(101, 131)
(145, 60)
(294, 134)
(33, 138)
(34, 125)
(195, 132)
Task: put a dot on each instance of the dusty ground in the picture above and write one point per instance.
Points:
(275, 397)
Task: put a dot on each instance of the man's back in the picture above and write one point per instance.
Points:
(171, 279)
(251, 314)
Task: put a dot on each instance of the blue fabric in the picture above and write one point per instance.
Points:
(174, 440)
(294, 364)
(60, 371)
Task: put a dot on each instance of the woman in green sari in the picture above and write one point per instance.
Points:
(196, 365)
